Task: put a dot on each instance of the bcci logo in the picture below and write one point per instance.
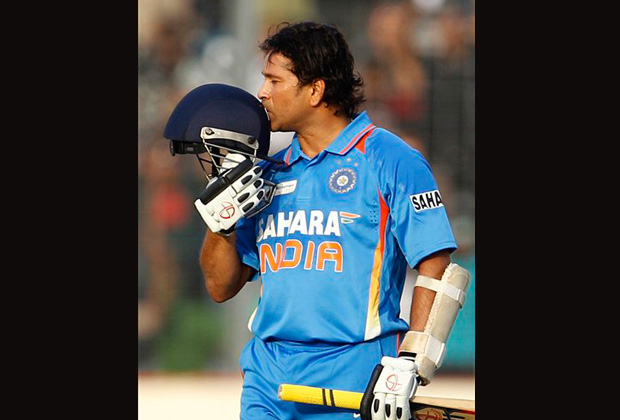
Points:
(342, 180)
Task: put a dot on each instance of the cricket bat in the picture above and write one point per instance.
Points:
(422, 408)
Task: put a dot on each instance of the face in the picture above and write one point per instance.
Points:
(284, 99)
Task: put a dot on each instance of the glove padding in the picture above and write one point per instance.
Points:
(231, 196)
(394, 388)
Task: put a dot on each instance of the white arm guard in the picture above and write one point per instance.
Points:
(428, 348)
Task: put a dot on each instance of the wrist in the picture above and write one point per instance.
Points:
(227, 235)
(228, 232)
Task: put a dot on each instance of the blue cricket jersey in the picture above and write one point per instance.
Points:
(333, 246)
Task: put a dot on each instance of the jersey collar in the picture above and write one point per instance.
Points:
(341, 145)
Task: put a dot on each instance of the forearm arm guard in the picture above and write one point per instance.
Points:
(428, 348)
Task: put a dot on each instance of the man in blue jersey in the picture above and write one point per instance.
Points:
(353, 206)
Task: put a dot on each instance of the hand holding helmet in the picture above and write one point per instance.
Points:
(237, 192)
(231, 126)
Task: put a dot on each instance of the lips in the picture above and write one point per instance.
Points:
(266, 109)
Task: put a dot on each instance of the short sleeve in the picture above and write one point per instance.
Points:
(419, 220)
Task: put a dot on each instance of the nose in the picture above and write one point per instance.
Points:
(263, 93)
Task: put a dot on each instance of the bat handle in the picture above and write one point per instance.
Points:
(320, 396)
(426, 407)
(357, 401)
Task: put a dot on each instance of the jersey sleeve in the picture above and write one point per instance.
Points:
(419, 220)
(246, 244)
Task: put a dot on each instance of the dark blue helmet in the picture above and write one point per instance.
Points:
(213, 118)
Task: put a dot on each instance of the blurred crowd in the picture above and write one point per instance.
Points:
(417, 59)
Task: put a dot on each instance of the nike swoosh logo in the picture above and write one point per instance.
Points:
(356, 415)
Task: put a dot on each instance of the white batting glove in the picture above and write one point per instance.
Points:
(231, 160)
(231, 196)
(394, 388)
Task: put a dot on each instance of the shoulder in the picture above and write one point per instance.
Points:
(384, 148)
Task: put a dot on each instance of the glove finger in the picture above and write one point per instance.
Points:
(403, 411)
(247, 179)
(212, 222)
(208, 208)
(252, 201)
(249, 191)
(377, 411)
(390, 407)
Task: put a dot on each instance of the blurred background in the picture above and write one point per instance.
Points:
(417, 58)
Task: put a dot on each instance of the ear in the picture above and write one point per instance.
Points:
(317, 91)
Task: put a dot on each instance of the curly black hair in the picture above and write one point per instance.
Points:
(319, 51)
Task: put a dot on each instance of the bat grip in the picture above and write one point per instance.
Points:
(334, 398)
(320, 396)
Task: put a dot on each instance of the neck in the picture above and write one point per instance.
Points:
(318, 135)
